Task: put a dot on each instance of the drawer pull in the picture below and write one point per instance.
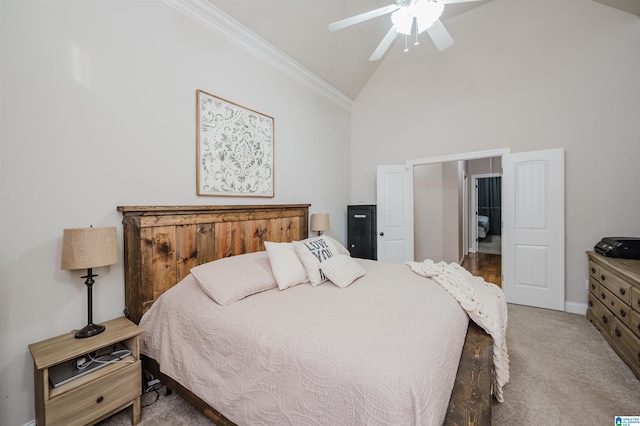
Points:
(602, 277)
(593, 270)
(605, 319)
(100, 399)
(593, 287)
(618, 332)
(623, 313)
(602, 295)
(591, 305)
(623, 291)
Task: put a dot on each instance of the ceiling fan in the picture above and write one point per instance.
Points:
(425, 13)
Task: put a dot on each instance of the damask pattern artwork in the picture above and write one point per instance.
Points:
(234, 149)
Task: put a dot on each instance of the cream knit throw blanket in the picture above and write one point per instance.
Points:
(484, 303)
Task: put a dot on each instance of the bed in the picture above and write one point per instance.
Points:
(483, 226)
(163, 244)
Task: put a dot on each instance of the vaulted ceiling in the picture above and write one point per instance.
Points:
(298, 28)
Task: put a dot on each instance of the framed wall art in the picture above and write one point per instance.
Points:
(234, 149)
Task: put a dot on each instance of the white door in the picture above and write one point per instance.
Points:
(395, 213)
(533, 228)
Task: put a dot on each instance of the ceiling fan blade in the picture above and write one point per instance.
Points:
(384, 44)
(440, 36)
(362, 17)
(459, 1)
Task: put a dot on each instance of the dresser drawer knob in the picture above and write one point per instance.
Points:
(593, 270)
(623, 312)
(618, 332)
(602, 295)
(602, 277)
(593, 287)
(623, 291)
(100, 399)
(591, 305)
(605, 319)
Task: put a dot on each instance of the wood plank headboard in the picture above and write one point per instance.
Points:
(162, 244)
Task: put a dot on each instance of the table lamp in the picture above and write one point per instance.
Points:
(319, 222)
(88, 248)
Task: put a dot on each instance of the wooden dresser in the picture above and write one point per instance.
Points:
(614, 305)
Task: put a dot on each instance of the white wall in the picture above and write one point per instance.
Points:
(98, 110)
(428, 210)
(526, 75)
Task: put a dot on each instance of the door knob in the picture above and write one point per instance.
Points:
(382, 234)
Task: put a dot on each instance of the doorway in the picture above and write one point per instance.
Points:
(489, 214)
(533, 223)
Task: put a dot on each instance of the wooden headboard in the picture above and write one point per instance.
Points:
(161, 244)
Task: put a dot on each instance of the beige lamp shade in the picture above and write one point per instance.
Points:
(320, 222)
(84, 248)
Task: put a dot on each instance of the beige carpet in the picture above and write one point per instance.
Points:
(562, 373)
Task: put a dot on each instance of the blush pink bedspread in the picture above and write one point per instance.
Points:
(383, 351)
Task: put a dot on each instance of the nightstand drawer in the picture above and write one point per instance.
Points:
(85, 403)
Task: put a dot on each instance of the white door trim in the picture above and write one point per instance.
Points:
(461, 157)
(474, 208)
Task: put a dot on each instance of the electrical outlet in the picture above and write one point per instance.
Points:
(586, 283)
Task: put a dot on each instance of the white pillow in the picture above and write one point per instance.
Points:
(285, 264)
(342, 270)
(232, 278)
(311, 252)
(341, 249)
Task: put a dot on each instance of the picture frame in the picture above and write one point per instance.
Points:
(234, 149)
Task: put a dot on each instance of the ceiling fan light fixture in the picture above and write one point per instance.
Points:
(427, 12)
(402, 20)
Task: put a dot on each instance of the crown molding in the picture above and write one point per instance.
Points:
(215, 19)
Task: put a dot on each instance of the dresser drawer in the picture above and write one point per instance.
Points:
(594, 270)
(628, 343)
(620, 309)
(616, 285)
(599, 315)
(85, 403)
(634, 324)
(635, 298)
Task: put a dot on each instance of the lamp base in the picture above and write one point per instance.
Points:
(89, 330)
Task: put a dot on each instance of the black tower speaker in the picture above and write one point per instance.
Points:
(361, 231)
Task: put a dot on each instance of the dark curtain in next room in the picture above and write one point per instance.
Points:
(490, 202)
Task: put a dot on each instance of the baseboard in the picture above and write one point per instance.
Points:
(575, 308)
(31, 423)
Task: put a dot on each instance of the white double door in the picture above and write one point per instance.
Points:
(533, 260)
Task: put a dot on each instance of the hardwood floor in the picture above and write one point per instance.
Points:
(487, 266)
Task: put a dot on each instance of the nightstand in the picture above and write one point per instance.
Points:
(97, 394)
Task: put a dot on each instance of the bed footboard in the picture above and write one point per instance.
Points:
(470, 402)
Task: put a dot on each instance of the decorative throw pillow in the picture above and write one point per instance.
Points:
(311, 252)
(233, 278)
(342, 270)
(285, 264)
